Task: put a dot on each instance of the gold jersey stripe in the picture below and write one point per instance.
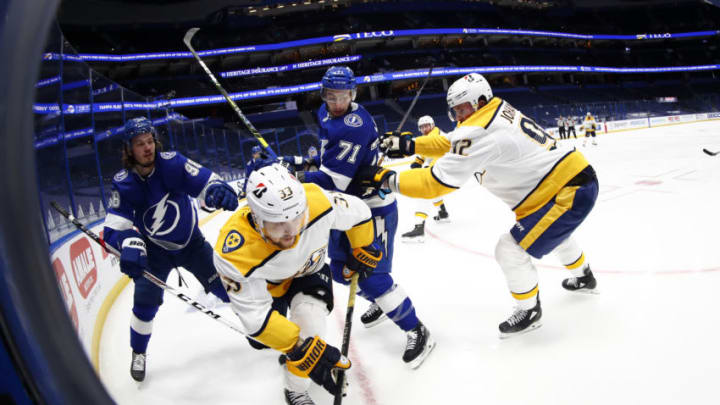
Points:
(484, 116)
(421, 215)
(525, 295)
(438, 203)
(422, 183)
(432, 145)
(278, 332)
(563, 203)
(577, 263)
(361, 234)
(563, 171)
(278, 290)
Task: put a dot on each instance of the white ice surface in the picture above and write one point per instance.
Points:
(650, 337)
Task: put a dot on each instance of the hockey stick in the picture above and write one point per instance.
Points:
(710, 153)
(188, 300)
(346, 337)
(188, 37)
(412, 104)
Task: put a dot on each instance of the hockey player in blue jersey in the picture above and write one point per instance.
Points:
(152, 221)
(348, 141)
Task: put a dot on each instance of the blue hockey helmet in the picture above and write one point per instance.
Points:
(255, 149)
(338, 78)
(138, 126)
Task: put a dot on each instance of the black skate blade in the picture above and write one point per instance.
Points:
(586, 291)
(418, 361)
(417, 239)
(376, 322)
(522, 332)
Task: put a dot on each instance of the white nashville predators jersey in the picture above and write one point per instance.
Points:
(255, 270)
(509, 154)
(589, 124)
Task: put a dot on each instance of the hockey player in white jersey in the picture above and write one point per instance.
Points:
(271, 257)
(589, 125)
(427, 128)
(550, 187)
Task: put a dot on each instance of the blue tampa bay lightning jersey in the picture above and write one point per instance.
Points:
(159, 205)
(347, 143)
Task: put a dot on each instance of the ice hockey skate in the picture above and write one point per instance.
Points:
(521, 321)
(298, 398)
(585, 284)
(442, 215)
(137, 366)
(416, 235)
(419, 345)
(373, 316)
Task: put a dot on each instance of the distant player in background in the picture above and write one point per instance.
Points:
(549, 185)
(271, 257)
(349, 141)
(151, 220)
(589, 125)
(257, 160)
(561, 127)
(427, 127)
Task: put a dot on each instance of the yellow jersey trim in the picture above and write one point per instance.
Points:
(278, 332)
(422, 183)
(577, 263)
(563, 203)
(484, 116)
(432, 145)
(563, 171)
(361, 234)
(525, 295)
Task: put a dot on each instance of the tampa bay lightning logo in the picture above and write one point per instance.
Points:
(353, 120)
(168, 155)
(162, 218)
(233, 241)
(121, 175)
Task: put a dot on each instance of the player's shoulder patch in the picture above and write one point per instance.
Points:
(353, 120)
(168, 155)
(233, 241)
(121, 175)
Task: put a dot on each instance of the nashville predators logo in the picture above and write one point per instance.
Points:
(314, 262)
(233, 241)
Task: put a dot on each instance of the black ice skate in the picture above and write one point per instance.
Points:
(584, 284)
(521, 321)
(298, 398)
(373, 316)
(137, 367)
(442, 215)
(419, 345)
(417, 235)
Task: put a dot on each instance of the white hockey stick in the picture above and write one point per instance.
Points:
(188, 37)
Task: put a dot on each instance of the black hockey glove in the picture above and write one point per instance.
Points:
(373, 178)
(363, 260)
(221, 195)
(397, 145)
(316, 360)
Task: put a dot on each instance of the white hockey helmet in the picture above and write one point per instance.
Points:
(468, 89)
(588, 114)
(278, 203)
(425, 120)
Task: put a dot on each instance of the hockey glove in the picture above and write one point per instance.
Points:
(316, 360)
(397, 145)
(374, 178)
(221, 195)
(133, 257)
(363, 260)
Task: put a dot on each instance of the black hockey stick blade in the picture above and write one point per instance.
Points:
(710, 152)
